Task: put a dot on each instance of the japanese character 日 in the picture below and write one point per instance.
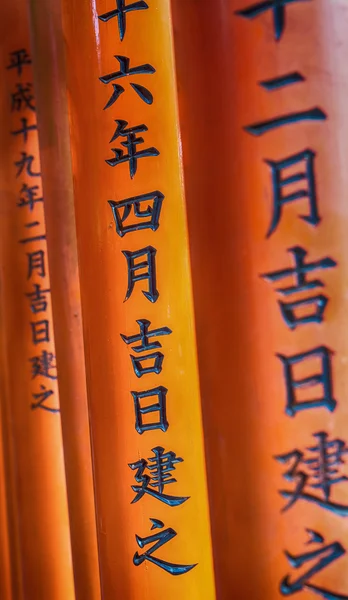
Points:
(294, 403)
(40, 331)
(159, 407)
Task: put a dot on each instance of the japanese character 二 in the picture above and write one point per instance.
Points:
(158, 540)
(276, 6)
(141, 364)
(131, 142)
(296, 389)
(137, 213)
(120, 13)
(125, 71)
(33, 238)
(315, 473)
(319, 559)
(159, 469)
(292, 312)
(311, 114)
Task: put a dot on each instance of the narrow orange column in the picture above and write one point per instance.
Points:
(5, 565)
(10, 502)
(32, 403)
(262, 94)
(51, 102)
(8, 571)
(144, 401)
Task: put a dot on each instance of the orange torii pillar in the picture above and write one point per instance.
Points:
(262, 96)
(32, 402)
(53, 124)
(9, 562)
(142, 379)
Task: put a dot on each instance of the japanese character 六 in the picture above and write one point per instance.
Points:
(158, 540)
(36, 262)
(278, 8)
(24, 130)
(318, 302)
(40, 331)
(125, 71)
(38, 301)
(325, 555)
(29, 196)
(316, 471)
(149, 264)
(120, 12)
(294, 403)
(159, 468)
(41, 397)
(159, 407)
(26, 163)
(44, 364)
(280, 183)
(137, 213)
(22, 98)
(131, 142)
(18, 58)
(139, 367)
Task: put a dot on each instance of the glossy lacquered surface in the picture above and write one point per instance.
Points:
(221, 60)
(33, 433)
(48, 49)
(91, 46)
